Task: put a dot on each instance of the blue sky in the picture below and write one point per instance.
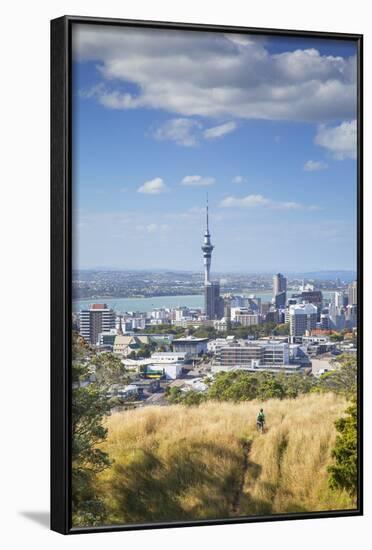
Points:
(266, 126)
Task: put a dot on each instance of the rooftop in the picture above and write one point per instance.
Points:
(190, 339)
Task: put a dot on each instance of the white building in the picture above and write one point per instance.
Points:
(138, 323)
(159, 314)
(170, 370)
(245, 354)
(276, 353)
(338, 299)
(353, 294)
(221, 325)
(218, 343)
(168, 357)
(248, 319)
(302, 317)
(190, 344)
(95, 320)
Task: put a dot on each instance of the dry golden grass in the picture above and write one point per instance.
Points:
(209, 461)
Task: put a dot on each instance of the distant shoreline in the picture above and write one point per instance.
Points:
(148, 303)
(157, 296)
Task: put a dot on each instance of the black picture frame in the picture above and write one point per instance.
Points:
(61, 237)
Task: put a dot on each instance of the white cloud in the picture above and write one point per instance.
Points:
(254, 201)
(315, 165)
(219, 131)
(153, 187)
(155, 227)
(184, 131)
(200, 181)
(340, 141)
(238, 179)
(189, 132)
(216, 75)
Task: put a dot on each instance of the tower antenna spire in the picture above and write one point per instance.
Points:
(207, 214)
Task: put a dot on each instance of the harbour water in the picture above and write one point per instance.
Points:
(122, 305)
(142, 304)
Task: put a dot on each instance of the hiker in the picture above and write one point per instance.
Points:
(261, 420)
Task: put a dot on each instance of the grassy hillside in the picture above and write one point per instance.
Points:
(176, 462)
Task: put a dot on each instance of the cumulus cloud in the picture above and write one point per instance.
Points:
(254, 201)
(189, 132)
(219, 131)
(184, 131)
(153, 187)
(340, 141)
(198, 181)
(315, 165)
(215, 75)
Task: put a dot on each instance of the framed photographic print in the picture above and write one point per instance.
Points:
(206, 274)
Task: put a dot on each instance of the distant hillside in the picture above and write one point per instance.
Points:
(184, 463)
(346, 276)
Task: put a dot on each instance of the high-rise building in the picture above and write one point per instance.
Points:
(338, 299)
(351, 316)
(280, 300)
(213, 303)
(279, 284)
(95, 320)
(352, 294)
(302, 317)
(312, 297)
(279, 290)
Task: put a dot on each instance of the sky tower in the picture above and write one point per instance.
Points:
(213, 303)
(207, 249)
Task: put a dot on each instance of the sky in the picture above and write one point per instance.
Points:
(265, 125)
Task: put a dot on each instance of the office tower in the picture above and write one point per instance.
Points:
(279, 284)
(280, 300)
(99, 318)
(351, 316)
(213, 303)
(338, 299)
(352, 294)
(302, 317)
(312, 297)
(279, 290)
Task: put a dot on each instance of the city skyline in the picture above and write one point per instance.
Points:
(281, 175)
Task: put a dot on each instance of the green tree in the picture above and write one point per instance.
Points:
(282, 330)
(174, 394)
(109, 369)
(89, 407)
(343, 379)
(343, 473)
(336, 337)
(193, 398)
(270, 388)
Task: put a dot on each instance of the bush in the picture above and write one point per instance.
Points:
(344, 471)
